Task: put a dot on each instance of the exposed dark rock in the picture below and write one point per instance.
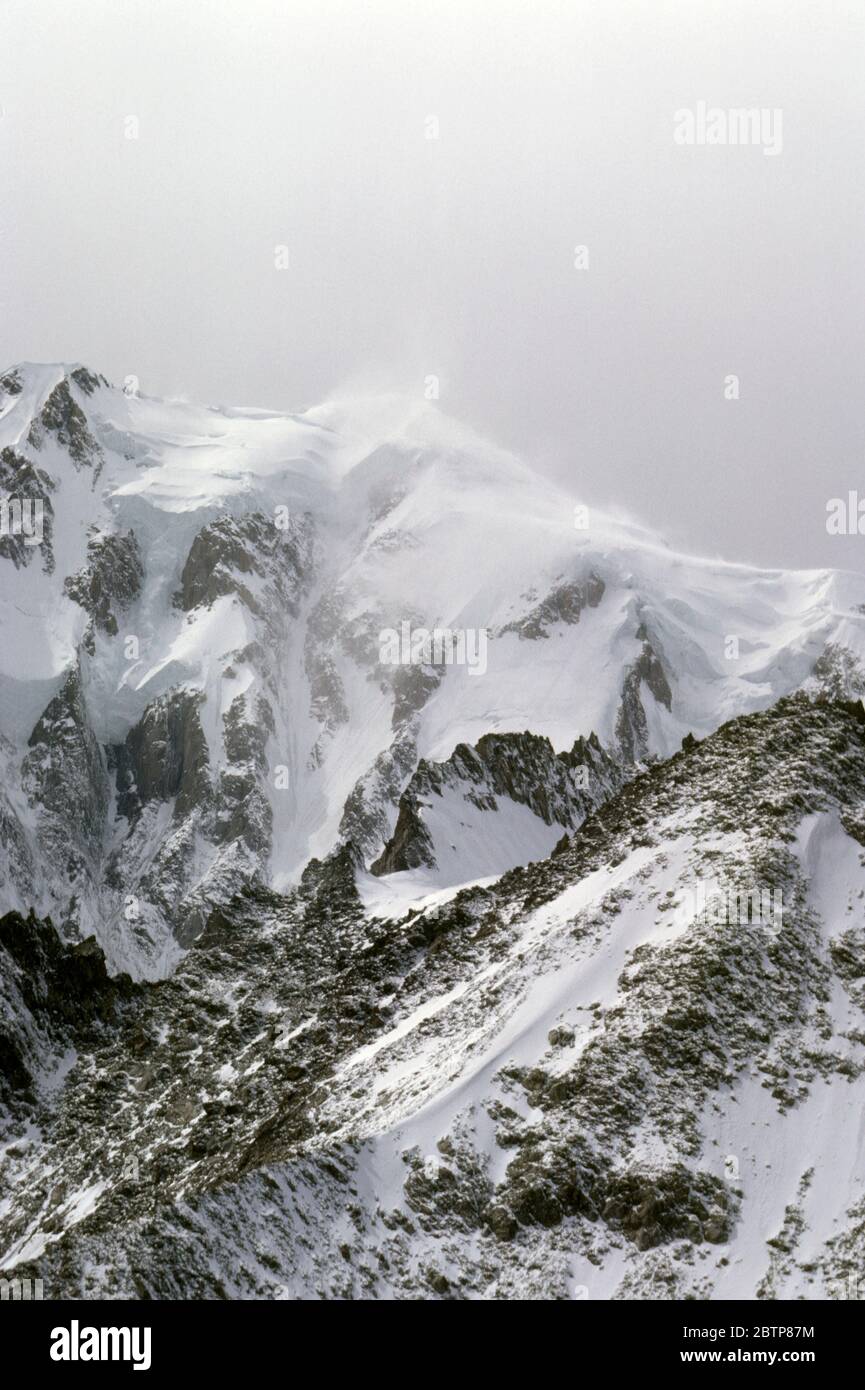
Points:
(632, 731)
(10, 382)
(412, 687)
(366, 815)
(164, 757)
(410, 846)
(53, 996)
(563, 605)
(111, 580)
(22, 480)
(88, 381)
(64, 774)
(837, 674)
(63, 417)
(558, 787)
(230, 554)
(243, 811)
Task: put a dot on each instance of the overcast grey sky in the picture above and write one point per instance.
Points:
(304, 124)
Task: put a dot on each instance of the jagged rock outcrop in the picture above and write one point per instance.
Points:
(837, 673)
(559, 788)
(64, 773)
(54, 996)
(367, 816)
(240, 555)
(10, 383)
(28, 535)
(632, 730)
(62, 417)
(164, 757)
(243, 812)
(109, 583)
(563, 604)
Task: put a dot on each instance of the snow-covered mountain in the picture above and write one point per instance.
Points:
(366, 805)
(192, 695)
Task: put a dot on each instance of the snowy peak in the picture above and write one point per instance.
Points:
(297, 612)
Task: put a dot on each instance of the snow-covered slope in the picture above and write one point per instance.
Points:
(574, 1082)
(192, 695)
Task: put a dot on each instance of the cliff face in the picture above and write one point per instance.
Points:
(473, 796)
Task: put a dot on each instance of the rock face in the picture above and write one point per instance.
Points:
(560, 789)
(110, 581)
(10, 383)
(54, 997)
(164, 758)
(62, 416)
(563, 605)
(64, 773)
(546, 1087)
(632, 730)
(22, 481)
(229, 555)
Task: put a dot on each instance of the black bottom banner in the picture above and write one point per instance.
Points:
(156, 1339)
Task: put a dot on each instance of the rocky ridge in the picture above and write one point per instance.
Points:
(531, 1090)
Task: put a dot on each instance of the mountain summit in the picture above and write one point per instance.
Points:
(192, 690)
